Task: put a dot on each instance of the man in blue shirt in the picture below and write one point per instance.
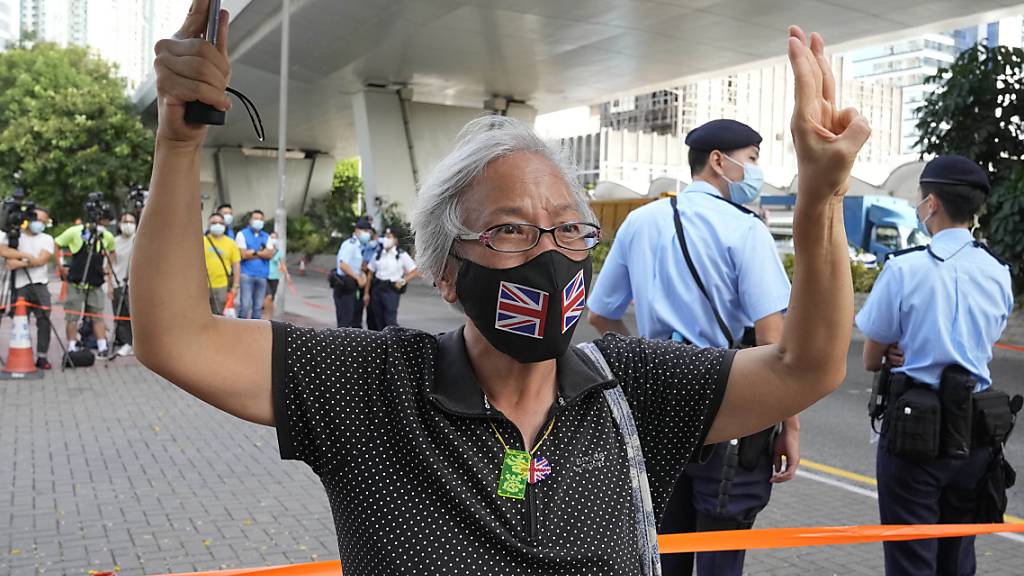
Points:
(735, 258)
(254, 245)
(349, 277)
(932, 308)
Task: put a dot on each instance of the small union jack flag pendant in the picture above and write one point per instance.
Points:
(539, 469)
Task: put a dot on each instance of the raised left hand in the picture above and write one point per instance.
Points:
(827, 140)
(788, 445)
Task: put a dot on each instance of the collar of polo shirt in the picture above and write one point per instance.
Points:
(456, 390)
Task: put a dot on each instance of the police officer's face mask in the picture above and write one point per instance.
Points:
(746, 190)
(528, 312)
(923, 222)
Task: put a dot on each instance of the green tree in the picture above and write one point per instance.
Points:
(67, 126)
(335, 214)
(977, 110)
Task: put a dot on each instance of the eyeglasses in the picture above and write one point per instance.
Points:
(520, 237)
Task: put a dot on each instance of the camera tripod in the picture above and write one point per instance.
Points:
(94, 244)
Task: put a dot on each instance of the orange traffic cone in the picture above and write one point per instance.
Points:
(19, 357)
(229, 306)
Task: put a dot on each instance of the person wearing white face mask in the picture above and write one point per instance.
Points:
(117, 282)
(31, 277)
(228, 213)
(390, 272)
(708, 284)
(347, 278)
(255, 247)
(89, 245)
(222, 263)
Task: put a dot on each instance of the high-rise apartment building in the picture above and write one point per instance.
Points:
(120, 31)
(907, 63)
(763, 98)
(47, 19)
(10, 22)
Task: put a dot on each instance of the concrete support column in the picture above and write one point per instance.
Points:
(385, 146)
(383, 149)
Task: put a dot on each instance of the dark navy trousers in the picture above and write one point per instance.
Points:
(384, 305)
(943, 491)
(693, 506)
(344, 307)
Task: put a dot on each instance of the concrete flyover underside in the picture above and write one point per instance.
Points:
(548, 54)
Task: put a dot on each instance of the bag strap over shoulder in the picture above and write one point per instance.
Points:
(696, 277)
(647, 533)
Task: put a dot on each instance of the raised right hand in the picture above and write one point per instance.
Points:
(189, 68)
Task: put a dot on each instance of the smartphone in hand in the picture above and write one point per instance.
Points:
(200, 112)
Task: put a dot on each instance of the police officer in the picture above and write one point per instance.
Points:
(933, 308)
(363, 295)
(703, 269)
(391, 269)
(349, 277)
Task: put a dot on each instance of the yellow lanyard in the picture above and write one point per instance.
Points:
(539, 442)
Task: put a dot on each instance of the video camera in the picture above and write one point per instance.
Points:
(137, 199)
(17, 211)
(96, 209)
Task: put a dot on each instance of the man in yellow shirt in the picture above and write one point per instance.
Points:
(222, 263)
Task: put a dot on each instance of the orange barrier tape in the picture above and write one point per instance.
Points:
(291, 288)
(1010, 347)
(820, 536)
(66, 311)
(715, 541)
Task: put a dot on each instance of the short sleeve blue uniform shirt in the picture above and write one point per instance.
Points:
(351, 253)
(945, 305)
(733, 251)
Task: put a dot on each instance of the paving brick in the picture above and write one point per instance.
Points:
(113, 465)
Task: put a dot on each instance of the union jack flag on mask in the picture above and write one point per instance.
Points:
(539, 469)
(521, 310)
(574, 298)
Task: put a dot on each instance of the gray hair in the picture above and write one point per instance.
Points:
(437, 221)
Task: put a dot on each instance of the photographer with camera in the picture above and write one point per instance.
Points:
(117, 282)
(91, 245)
(35, 249)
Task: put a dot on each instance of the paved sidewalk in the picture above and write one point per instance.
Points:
(112, 468)
(171, 484)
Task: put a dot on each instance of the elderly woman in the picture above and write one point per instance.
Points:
(495, 448)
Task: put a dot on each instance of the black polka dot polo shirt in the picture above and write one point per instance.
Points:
(397, 428)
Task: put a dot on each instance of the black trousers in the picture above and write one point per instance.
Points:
(384, 303)
(344, 307)
(693, 507)
(122, 308)
(357, 315)
(39, 295)
(943, 491)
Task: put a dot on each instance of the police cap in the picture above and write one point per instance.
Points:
(955, 169)
(363, 222)
(722, 135)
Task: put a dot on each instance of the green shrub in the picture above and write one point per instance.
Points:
(304, 237)
(599, 253)
(863, 277)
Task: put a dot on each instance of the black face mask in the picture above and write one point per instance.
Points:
(528, 312)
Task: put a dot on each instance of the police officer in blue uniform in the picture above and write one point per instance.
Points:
(348, 277)
(703, 269)
(369, 249)
(935, 313)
